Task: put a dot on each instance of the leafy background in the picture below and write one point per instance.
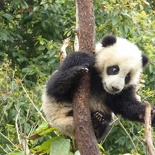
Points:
(31, 35)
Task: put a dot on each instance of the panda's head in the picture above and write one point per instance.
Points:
(119, 62)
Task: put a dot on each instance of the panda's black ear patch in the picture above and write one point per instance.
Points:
(145, 60)
(108, 40)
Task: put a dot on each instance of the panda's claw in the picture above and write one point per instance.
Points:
(99, 117)
(85, 69)
(80, 70)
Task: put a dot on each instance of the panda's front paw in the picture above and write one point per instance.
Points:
(85, 70)
(81, 70)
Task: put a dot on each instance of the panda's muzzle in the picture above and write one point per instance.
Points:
(115, 89)
(112, 89)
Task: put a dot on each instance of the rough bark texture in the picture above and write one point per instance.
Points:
(84, 134)
(148, 130)
(85, 25)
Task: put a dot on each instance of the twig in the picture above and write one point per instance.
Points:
(8, 148)
(148, 130)
(63, 49)
(22, 140)
(111, 127)
(4, 149)
(128, 135)
(24, 143)
(16, 124)
(115, 120)
(33, 129)
(33, 102)
(107, 134)
(8, 140)
(33, 137)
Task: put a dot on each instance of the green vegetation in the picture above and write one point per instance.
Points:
(31, 34)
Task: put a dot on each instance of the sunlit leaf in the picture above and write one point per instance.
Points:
(60, 146)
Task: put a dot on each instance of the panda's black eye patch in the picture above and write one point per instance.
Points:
(112, 70)
(127, 78)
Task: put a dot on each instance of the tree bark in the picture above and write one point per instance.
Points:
(84, 133)
(85, 25)
(148, 130)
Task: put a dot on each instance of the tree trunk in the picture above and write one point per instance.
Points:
(84, 133)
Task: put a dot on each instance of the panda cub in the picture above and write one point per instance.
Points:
(115, 71)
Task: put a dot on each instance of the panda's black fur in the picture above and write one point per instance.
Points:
(109, 40)
(105, 99)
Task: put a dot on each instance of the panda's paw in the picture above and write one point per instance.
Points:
(85, 70)
(81, 70)
(100, 122)
(100, 117)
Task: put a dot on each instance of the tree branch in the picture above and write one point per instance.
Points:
(84, 133)
(148, 130)
(85, 25)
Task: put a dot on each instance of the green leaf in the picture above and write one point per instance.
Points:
(24, 4)
(41, 48)
(3, 36)
(60, 146)
(44, 132)
(17, 153)
(41, 127)
(115, 20)
(77, 152)
(44, 147)
(101, 147)
(8, 16)
(143, 14)
(44, 129)
(35, 8)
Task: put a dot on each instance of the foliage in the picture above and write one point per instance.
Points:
(31, 34)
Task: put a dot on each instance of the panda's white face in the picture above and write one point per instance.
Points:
(120, 65)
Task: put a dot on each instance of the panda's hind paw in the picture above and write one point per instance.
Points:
(99, 116)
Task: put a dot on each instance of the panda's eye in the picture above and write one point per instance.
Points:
(112, 70)
(127, 78)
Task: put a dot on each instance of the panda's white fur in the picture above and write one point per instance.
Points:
(56, 113)
(122, 53)
(119, 54)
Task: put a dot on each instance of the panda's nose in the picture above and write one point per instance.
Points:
(115, 89)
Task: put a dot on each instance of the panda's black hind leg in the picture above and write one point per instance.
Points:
(100, 122)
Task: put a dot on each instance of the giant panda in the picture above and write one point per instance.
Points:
(114, 74)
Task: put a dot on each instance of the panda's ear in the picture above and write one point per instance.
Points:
(108, 40)
(145, 60)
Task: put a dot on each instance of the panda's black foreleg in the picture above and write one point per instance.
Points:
(100, 122)
(62, 82)
(127, 105)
